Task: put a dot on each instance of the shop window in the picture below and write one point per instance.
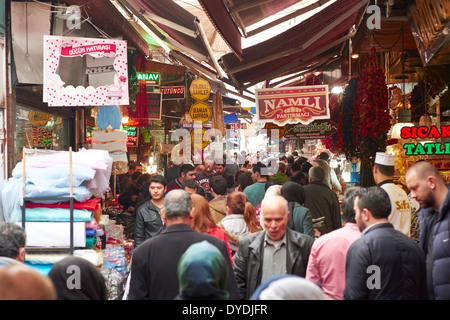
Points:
(40, 130)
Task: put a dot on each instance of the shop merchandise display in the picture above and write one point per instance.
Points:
(39, 190)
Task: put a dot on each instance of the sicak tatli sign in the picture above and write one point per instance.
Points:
(292, 105)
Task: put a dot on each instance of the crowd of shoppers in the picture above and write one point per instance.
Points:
(253, 237)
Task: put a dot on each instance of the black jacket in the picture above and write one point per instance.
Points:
(247, 262)
(385, 256)
(440, 255)
(148, 223)
(154, 263)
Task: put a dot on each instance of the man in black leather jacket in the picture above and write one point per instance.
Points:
(148, 218)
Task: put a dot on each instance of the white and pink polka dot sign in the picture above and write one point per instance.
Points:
(56, 94)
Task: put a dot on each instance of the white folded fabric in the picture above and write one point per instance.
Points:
(54, 234)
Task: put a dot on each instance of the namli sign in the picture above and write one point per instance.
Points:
(200, 89)
(427, 148)
(292, 105)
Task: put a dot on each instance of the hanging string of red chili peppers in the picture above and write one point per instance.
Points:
(364, 120)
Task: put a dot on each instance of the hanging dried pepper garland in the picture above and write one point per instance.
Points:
(371, 116)
(371, 103)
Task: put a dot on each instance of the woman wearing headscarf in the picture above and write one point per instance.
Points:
(202, 273)
(288, 287)
(299, 217)
(76, 278)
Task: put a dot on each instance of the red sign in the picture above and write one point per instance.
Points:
(292, 105)
(154, 105)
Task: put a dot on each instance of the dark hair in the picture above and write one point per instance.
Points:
(135, 176)
(12, 238)
(324, 156)
(281, 167)
(185, 168)
(347, 204)
(144, 178)
(374, 199)
(290, 159)
(386, 170)
(261, 169)
(219, 185)
(191, 184)
(296, 167)
(293, 192)
(244, 180)
(306, 166)
(271, 182)
(159, 179)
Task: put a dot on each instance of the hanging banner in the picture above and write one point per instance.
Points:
(71, 62)
(292, 105)
(154, 105)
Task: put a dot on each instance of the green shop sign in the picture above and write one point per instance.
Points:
(151, 78)
(428, 148)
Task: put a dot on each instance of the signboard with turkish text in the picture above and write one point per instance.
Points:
(108, 83)
(200, 111)
(172, 93)
(154, 105)
(318, 129)
(293, 104)
(200, 89)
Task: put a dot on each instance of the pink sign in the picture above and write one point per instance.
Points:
(106, 49)
(106, 73)
(292, 105)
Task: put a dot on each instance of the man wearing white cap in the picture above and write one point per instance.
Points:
(383, 173)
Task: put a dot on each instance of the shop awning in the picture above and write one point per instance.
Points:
(177, 17)
(223, 22)
(322, 32)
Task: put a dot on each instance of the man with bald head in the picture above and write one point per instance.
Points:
(274, 251)
(428, 188)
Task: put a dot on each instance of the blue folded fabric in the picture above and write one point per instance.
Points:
(91, 232)
(55, 215)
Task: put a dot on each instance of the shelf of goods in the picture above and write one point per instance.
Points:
(56, 197)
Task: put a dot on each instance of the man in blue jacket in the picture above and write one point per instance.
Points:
(428, 188)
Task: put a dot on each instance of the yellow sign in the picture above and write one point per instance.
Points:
(197, 138)
(200, 111)
(200, 89)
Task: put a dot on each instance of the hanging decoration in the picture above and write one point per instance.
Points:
(371, 116)
(345, 137)
(140, 115)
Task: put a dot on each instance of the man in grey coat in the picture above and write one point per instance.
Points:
(384, 264)
(275, 251)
